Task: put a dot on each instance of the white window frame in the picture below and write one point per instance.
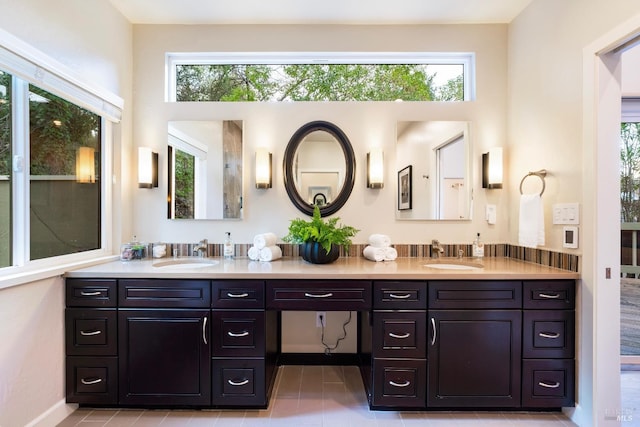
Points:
(173, 59)
(28, 65)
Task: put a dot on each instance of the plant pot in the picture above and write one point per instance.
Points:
(314, 253)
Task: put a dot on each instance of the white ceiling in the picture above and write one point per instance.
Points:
(323, 12)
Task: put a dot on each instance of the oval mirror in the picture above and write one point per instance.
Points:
(319, 168)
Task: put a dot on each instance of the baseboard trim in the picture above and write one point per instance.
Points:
(54, 415)
(318, 359)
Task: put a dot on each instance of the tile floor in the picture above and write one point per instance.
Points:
(312, 396)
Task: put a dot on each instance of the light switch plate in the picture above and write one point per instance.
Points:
(566, 213)
(490, 214)
(570, 237)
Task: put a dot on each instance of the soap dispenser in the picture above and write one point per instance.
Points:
(229, 249)
(478, 247)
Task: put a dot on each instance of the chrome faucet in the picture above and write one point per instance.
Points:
(436, 249)
(202, 249)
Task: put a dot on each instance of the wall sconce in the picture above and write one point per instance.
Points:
(147, 168)
(263, 168)
(85, 165)
(492, 168)
(375, 168)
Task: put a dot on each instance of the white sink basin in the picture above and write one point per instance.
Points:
(454, 265)
(186, 263)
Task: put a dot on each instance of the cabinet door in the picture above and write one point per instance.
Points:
(474, 358)
(165, 357)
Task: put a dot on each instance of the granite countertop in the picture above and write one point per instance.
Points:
(343, 268)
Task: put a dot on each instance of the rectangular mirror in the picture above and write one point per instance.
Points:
(433, 161)
(205, 169)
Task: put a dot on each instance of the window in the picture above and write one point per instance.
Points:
(320, 77)
(54, 204)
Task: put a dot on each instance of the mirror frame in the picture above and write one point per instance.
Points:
(350, 170)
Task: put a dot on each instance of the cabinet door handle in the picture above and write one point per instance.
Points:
(242, 295)
(404, 384)
(396, 296)
(237, 384)
(90, 294)
(433, 328)
(91, 381)
(204, 330)
(235, 335)
(403, 336)
(90, 333)
(552, 335)
(327, 295)
(549, 296)
(547, 385)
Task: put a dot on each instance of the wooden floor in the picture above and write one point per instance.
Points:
(630, 317)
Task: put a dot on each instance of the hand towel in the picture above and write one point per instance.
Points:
(374, 254)
(253, 253)
(265, 239)
(379, 240)
(270, 253)
(531, 226)
(390, 254)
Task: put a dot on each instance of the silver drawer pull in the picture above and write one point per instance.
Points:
(237, 384)
(396, 296)
(91, 382)
(554, 385)
(549, 296)
(242, 295)
(405, 384)
(327, 295)
(90, 294)
(551, 335)
(90, 333)
(235, 335)
(403, 336)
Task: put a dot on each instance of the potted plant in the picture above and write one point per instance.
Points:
(320, 240)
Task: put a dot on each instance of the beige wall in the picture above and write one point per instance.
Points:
(93, 40)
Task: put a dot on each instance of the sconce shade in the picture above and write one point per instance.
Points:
(85, 165)
(492, 168)
(375, 168)
(147, 168)
(263, 168)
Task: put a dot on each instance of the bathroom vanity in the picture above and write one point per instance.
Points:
(500, 337)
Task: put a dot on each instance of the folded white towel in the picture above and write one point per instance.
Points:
(379, 240)
(270, 253)
(531, 225)
(390, 254)
(265, 239)
(374, 254)
(253, 253)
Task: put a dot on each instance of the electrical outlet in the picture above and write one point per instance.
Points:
(321, 319)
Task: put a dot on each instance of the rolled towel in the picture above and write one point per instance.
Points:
(379, 240)
(265, 239)
(390, 254)
(253, 253)
(270, 253)
(374, 254)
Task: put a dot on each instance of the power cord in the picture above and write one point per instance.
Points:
(328, 349)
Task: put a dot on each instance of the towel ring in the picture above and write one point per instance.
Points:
(540, 174)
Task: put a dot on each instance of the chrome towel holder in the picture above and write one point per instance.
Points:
(540, 174)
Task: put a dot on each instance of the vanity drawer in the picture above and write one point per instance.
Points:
(399, 383)
(549, 294)
(548, 383)
(329, 295)
(480, 294)
(239, 382)
(91, 332)
(400, 295)
(238, 333)
(90, 293)
(237, 294)
(92, 380)
(168, 293)
(548, 334)
(400, 334)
